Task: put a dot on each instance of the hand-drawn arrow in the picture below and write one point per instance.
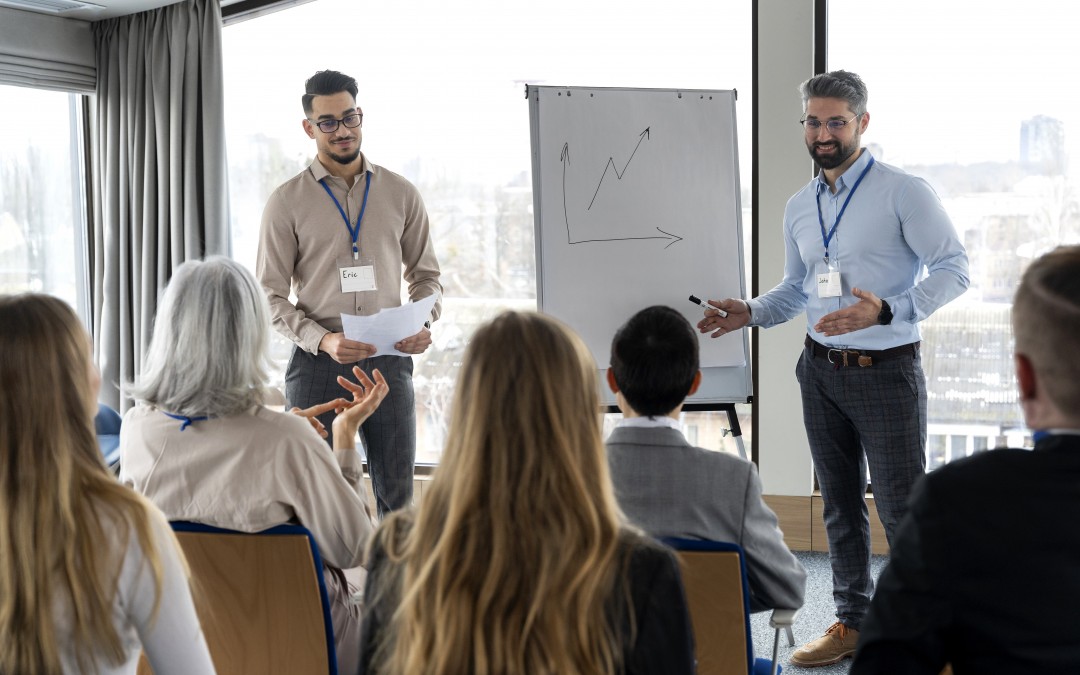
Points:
(611, 164)
(564, 157)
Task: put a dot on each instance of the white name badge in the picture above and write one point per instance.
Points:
(357, 278)
(828, 280)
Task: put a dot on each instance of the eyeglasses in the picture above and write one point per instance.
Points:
(330, 126)
(833, 126)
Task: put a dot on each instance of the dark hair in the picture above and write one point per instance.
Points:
(654, 357)
(837, 84)
(324, 83)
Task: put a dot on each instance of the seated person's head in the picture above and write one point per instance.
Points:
(1046, 323)
(208, 354)
(50, 385)
(514, 546)
(526, 406)
(55, 494)
(654, 362)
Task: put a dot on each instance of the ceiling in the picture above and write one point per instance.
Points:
(90, 10)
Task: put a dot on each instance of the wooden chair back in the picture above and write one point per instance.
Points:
(260, 599)
(715, 593)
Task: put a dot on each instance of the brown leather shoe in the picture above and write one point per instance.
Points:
(837, 643)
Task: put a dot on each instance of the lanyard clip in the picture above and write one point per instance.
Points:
(355, 253)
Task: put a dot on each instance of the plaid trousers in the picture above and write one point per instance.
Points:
(389, 435)
(856, 417)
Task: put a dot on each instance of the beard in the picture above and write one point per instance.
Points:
(831, 161)
(345, 159)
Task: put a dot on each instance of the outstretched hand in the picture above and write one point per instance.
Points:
(862, 314)
(738, 316)
(366, 397)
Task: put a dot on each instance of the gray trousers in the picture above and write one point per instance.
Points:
(389, 435)
(856, 417)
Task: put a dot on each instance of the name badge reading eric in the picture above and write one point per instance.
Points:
(828, 280)
(355, 278)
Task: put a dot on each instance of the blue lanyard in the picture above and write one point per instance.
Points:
(826, 238)
(353, 232)
(185, 419)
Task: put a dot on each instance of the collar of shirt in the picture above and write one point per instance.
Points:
(1043, 433)
(846, 179)
(650, 422)
(318, 171)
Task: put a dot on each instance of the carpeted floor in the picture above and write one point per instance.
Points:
(816, 615)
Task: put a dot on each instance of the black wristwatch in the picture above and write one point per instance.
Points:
(884, 317)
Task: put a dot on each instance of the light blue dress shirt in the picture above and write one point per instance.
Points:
(893, 227)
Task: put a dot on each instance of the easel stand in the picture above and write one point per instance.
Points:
(733, 420)
(729, 408)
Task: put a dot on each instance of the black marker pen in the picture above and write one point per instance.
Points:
(698, 301)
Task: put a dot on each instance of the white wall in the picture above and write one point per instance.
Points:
(784, 59)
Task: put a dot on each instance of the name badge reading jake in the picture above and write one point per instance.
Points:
(828, 280)
(356, 275)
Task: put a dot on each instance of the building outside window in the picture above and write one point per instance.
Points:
(980, 108)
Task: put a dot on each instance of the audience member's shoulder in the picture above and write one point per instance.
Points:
(975, 480)
(136, 413)
(644, 552)
(990, 463)
(277, 422)
(118, 522)
(723, 460)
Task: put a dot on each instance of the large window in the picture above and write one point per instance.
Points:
(977, 98)
(42, 215)
(442, 88)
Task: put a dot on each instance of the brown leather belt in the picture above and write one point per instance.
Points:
(859, 357)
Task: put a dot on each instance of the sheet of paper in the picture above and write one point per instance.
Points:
(389, 326)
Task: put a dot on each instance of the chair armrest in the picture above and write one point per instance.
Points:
(782, 618)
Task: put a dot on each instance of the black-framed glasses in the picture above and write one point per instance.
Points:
(351, 121)
(811, 124)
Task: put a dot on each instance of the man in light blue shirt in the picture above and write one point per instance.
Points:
(858, 238)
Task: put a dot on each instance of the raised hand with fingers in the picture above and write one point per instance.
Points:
(366, 397)
(312, 413)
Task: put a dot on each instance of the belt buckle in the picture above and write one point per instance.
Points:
(842, 352)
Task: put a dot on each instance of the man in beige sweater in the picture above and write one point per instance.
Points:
(342, 235)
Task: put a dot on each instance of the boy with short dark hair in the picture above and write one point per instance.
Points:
(670, 488)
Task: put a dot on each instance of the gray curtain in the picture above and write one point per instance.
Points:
(160, 189)
(46, 52)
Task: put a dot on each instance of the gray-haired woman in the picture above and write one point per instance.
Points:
(203, 446)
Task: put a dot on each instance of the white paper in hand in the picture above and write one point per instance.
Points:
(389, 326)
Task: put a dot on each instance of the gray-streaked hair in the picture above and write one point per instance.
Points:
(1046, 322)
(837, 84)
(208, 354)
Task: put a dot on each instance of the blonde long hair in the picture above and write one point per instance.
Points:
(513, 560)
(55, 493)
